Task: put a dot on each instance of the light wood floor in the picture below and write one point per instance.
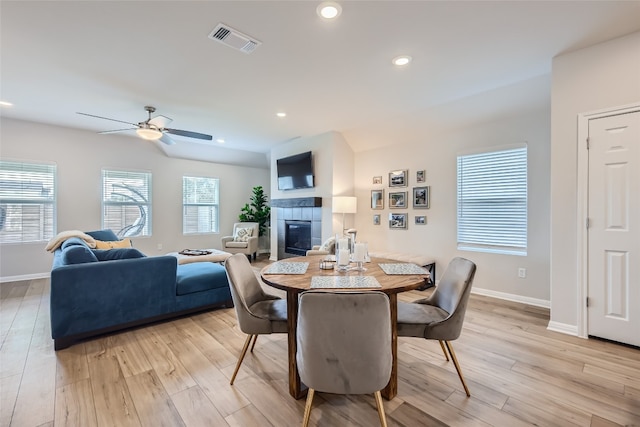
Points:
(177, 373)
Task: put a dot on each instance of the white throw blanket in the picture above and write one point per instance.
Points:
(56, 241)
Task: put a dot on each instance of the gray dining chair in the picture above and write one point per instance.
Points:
(440, 316)
(344, 344)
(258, 313)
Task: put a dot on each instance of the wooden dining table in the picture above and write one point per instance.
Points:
(294, 284)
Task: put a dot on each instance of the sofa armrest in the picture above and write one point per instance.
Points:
(252, 244)
(226, 239)
(96, 295)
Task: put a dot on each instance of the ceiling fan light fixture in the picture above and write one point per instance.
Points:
(149, 133)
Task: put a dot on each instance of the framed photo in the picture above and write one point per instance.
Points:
(421, 176)
(397, 220)
(421, 197)
(377, 199)
(377, 179)
(376, 220)
(398, 200)
(398, 178)
(421, 220)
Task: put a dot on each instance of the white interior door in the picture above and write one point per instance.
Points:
(614, 228)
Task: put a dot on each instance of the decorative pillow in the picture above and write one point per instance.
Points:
(57, 241)
(117, 253)
(124, 243)
(106, 235)
(329, 245)
(78, 255)
(242, 234)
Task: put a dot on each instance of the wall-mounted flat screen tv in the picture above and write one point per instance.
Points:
(295, 171)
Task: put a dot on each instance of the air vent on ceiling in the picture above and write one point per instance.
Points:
(234, 38)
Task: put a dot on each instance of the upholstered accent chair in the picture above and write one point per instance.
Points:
(344, 344)
(244, 239)
(440, 316)
(258, 313)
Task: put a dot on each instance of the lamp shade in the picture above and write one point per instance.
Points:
(344, 204)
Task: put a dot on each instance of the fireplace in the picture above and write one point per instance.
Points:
(305, 210)
(297, 237)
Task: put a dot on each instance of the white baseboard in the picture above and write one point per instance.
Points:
(511, 297)
(563, 328)
(24, 277)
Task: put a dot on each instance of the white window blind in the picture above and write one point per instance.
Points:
(492, 201)
(200, 204)
(126, 202)
(27, 201)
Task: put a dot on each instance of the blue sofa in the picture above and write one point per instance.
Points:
(94, 292)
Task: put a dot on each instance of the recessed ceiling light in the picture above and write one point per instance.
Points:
(329, 10)
(401, 60)
(6, 104)
(220, 140)
(281, 114)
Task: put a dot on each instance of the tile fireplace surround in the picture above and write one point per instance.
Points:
(298, 209)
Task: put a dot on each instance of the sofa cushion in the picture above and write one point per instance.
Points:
(111, 244)
(78, 254)
(200, 276)
(106, 235)
(118, 253)
(73, 241)
(237, 244)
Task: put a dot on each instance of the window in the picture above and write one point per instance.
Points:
(199, 205)
(492, 201)
(27, 202)
(126, 202)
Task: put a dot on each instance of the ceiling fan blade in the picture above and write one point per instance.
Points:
(106, 118)
(166, 139)
(189, 134)
(116, 130)
(160, 121)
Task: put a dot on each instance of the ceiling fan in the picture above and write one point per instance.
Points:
(154, 128)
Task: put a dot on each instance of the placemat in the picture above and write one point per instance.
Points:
(344, 282)
(402, 268)
(287, 268)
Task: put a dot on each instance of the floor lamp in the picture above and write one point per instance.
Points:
(344, 205)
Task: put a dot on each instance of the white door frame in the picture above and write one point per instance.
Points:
(583, 207)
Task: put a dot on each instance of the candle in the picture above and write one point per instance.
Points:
(343, 257)
(343, 244)
(359, 252)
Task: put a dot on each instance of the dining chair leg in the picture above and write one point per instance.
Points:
(307, 407)
(241, 358)
(455, 363)
(446, 356)
(380, 406)
(255, 338)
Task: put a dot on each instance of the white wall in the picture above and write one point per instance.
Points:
(333, 170)
(599, 77)
(80, 157)
(496, 274)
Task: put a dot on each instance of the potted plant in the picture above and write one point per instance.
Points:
(257, 211)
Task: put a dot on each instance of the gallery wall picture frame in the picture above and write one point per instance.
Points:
(421, 197)
(397, 200)
(421, 220)
(377, 199)
(377, 180)
(398, 220)
(376, 219)
(398, 178)
(421, 176)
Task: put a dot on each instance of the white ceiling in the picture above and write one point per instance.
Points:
(471, 61)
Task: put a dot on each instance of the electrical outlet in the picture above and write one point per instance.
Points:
(159, 246)
(522, 273)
